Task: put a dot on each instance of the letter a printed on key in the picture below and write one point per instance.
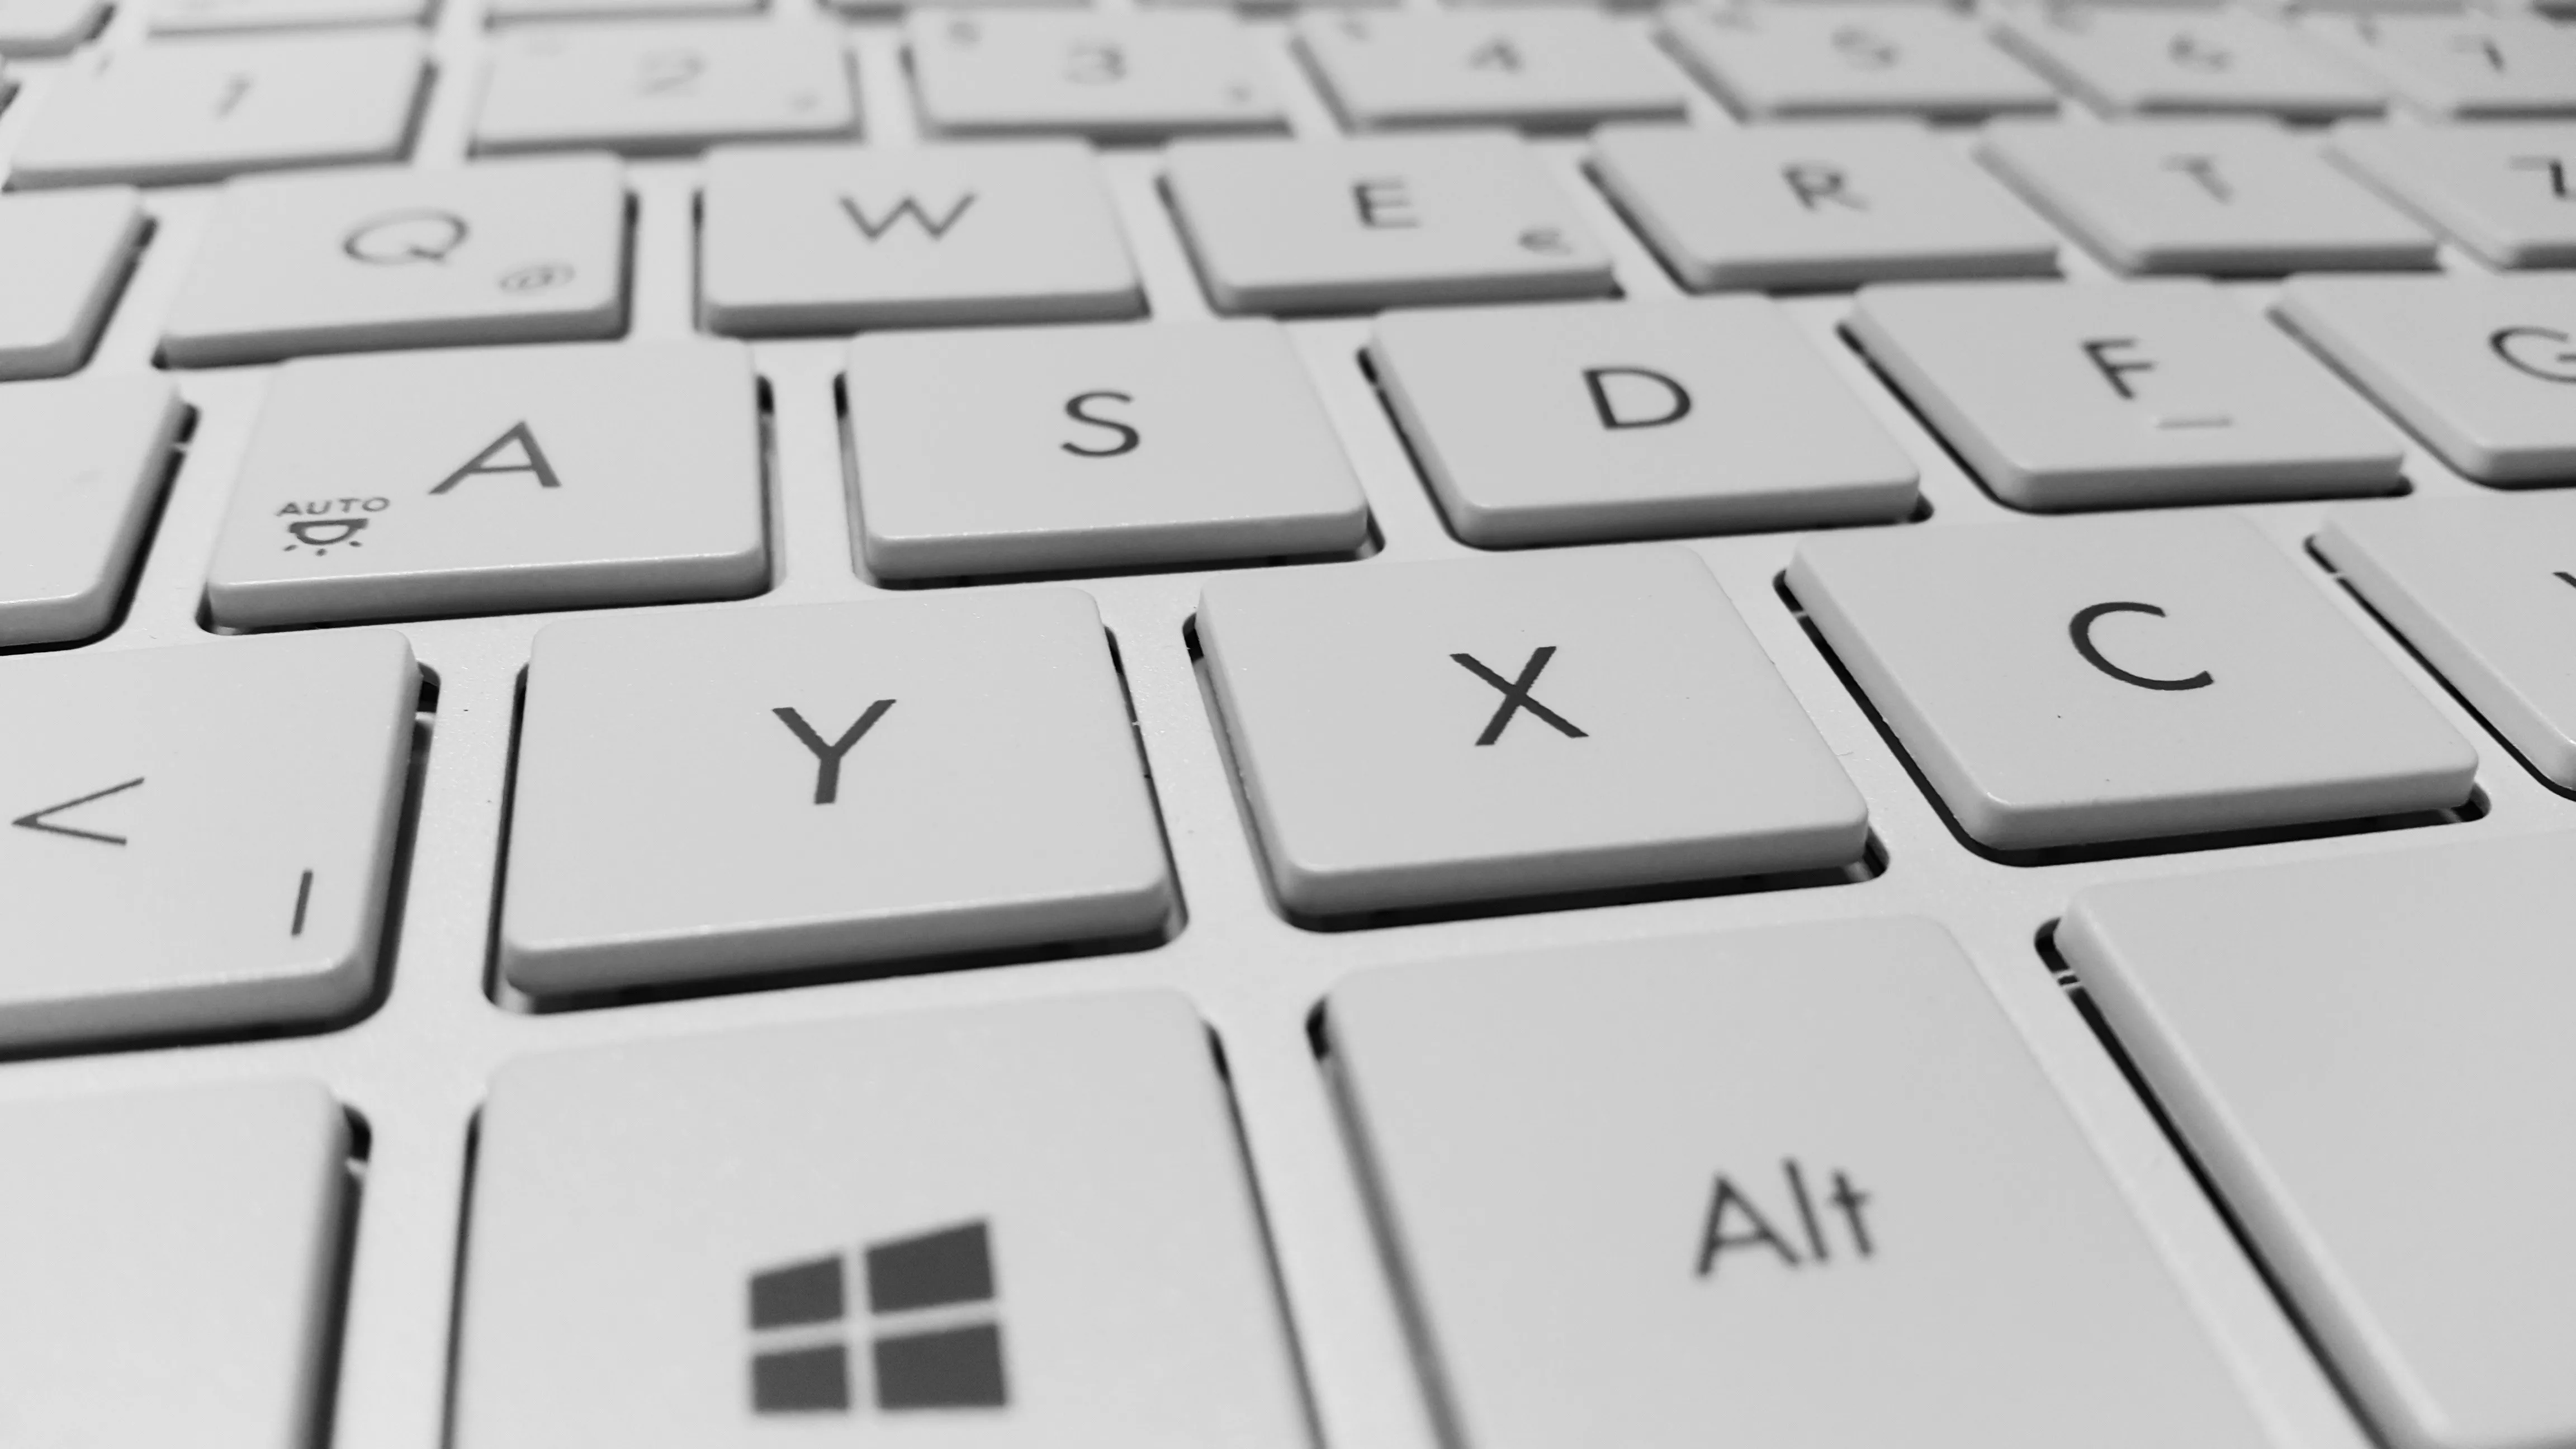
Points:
(515, 451)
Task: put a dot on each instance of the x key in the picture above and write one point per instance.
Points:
(1348, 732)
(1516, 696)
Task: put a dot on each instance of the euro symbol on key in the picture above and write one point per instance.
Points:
(401, 238)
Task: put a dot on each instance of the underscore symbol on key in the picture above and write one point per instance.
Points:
(1516, 695)
(35, 819)
(827, 756)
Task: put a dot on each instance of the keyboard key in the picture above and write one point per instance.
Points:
(2123, 394)
(2459, 66)
(2124, 679)
(1776, 62)
(1546, 70)
(357, 260)
(1434, 734)
(1816, 205)
(1693, 1191)
(199, 837)
(2505, 192)
(2134, 61)
(807, 239)
(201, 110)
(170, 1259)
(2477, 586)
(652, 88)
(48, 27)
(1380, 221)
(1610, 420)
(86, 464)
(2347, 1044)
(1136, 77)
(502, 12)
(2217, 197)
(200, 17)
(865, 783)
(2483, 369)
(496, 481)
(1016, 1225)
(63, 258)
(1093, 447)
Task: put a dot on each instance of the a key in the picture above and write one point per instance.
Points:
(2506, 192)
(652, 87)
(2455, 67)
(2222, 197)
(1438, 734)
(2483, 369)
(63, 257)
(2126, 60)
(1816, 205)
(2121, 679)
(1378, 221)
(807, 239)
(1112, 77)
(1610, 420)
(48, 27)
(864, 783)
(206, 17)
(2121, 394)
(2349, 1046)
(202, 110)
(501, 480)
(1775, 62)
(171, 1257)
(1765, 1167)
(199, 837)
(505, 12)
(87, 458)
(1544, 70)
(358, 260)
(1020, 1224)
(1093, 447)
(2482, 588)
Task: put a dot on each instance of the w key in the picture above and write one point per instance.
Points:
(1435, 734)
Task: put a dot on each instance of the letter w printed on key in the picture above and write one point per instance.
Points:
(1516, 695)
(873, 227)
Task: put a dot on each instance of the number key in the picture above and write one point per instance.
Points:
(1541, 70)
(2460, 66)
(1779, 61)
(1109, 77)
(648, 87)
(2145, 60)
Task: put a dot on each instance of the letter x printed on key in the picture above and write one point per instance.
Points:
(1516, 695)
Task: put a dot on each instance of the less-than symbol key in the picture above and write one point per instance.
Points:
(1516, 695)
(827, 757)
(35, 819)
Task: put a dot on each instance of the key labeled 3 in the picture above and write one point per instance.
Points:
(2107, 680)
(508, 251)
(812, 239)
(1513, 727)
(1130, 77)
(1093, 447)
(1669, 1194)
(868, 783)
(496, 480)
(2092, 395)
(1312, 226)
(1596, 421)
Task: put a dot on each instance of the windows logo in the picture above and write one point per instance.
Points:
(935, 1342)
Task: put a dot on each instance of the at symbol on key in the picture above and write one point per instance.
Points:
(1516, 695)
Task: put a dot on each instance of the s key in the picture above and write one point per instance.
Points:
(2104, 680)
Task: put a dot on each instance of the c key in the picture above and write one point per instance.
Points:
(2108, 680)
(1434, 734)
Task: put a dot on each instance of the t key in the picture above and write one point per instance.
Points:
(1641, 737)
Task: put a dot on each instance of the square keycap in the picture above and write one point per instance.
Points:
(1597, 421)
(2505, 191)
(2185, 60)
(2100, 395)
(1773, 62)
(1093, 447)
(2091, 681)
(63, 257)
(864, 782)
(496, 480)
(87, 460)
(1542, 69)
(1430, 734)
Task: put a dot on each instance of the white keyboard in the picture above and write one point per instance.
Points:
(1379, 726)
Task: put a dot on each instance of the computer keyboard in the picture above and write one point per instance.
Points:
(1363, 726)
